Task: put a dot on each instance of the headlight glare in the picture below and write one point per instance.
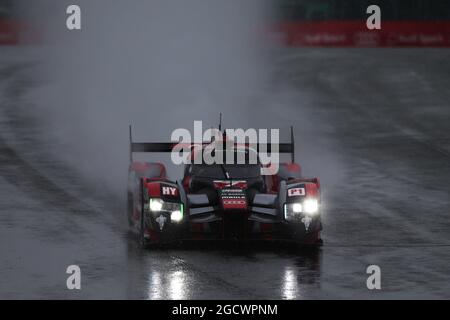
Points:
(176, 216)
(292, 211)
(156, 205)
(310, 206)
(174, 210)
(297, 207)
(295, 211)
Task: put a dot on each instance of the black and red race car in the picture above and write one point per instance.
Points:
(222, 201)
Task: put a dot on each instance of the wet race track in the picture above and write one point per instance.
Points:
(382, 114)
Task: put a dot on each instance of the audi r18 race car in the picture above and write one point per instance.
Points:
(222, 201)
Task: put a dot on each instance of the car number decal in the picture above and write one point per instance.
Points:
(293, 192)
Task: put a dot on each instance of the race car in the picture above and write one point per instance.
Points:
(222, 201)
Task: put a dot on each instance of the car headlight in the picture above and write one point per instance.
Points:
(310, 206)
(174, 209)
(176, 216)
(292, 211)
(296, 210)
(156, 205)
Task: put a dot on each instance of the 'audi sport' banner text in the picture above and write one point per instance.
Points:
(355, 33)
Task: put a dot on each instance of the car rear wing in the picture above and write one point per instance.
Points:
(153, 147)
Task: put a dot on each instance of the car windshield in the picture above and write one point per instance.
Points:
(235, 171)
(244, 164)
